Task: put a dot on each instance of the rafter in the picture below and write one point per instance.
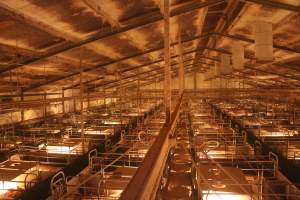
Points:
(251, 67)
(180, 8)
(146, 65)
(126, 70)
(249, 80)
(41, 25)
(248, 40)
(181, 62)
(276, 4)
(21, 17)
(113, 62)
(31, 52)
(259, 70)
(96, 7)
(223, 23)
(158, 70)
(129, 24)
(158, 76)
(245, 76)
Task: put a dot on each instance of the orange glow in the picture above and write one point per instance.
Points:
(112, 122)
(97, 132)
(217, 195)
(62, 149)
(7, 185)
(17, 183)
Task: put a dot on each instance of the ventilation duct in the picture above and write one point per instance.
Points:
(225, 67)
(238, 56)
(263, 41)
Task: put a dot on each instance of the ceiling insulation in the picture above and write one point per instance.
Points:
(45, 44)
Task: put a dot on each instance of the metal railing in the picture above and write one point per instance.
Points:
(146, 180)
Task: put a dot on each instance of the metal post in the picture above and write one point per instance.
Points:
(88, 100)
(105, 99)
(22, 109)
(63, 101)
(195, 81)
(138, 95)
(81, 106)
(74, 102)
(294, 113)
(181, 66)
(167, 80)
(45, 106)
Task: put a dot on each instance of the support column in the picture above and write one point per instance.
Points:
(74, 103)
(138, 97)
(22, 109)
(181, 65)
(104, 98)
(81, 107)
(81, 94)
(195, 80)
(63, 101)
(45, 105)
(167, 80)
(88, 100)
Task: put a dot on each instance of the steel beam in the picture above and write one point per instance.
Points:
(136, 68)
(128, 24)
(253, 68)
(63, 101)
(244, 39)
(112, 62)
(22, 110)
(167, 59)
(150, 81)
(146, 65)
(181, 65)
(159, 71)
(143, 184)
(276, 4)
